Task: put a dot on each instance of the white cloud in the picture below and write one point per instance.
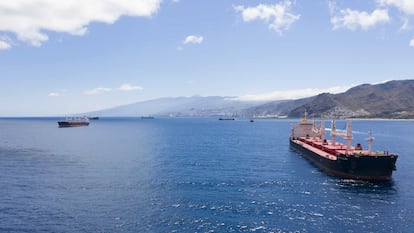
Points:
(98, 90)
(406, 24)
(292, 94)
(4, 45)
(55, 94)
(5, 42)
(353, 19)
(407, 6)
(102, 90)
(58, 93)
(29, 20)
(129, 87)
(332, 7)
(193, 39)
(279, 16)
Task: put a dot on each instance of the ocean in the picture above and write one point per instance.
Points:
(192, 175)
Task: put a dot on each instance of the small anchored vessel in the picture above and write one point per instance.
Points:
(342, 160)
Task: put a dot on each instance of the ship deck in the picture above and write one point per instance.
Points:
(327, 147)
(316, 150)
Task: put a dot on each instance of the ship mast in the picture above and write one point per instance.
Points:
(346, 135)
(333, 132)
(323, 130)
(319, 130)
(370, 139)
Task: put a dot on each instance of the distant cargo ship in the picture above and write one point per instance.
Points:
(226, 118)
(342, 160)
(74, 121)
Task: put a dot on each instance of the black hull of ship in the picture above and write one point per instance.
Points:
(371, 168)
(64, 124)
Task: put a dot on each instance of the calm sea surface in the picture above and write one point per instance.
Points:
(191, 175)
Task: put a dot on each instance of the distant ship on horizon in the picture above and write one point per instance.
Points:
(74, 122)
(226, 118)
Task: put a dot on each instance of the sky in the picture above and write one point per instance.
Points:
(75, 56)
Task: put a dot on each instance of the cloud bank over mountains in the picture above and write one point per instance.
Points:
(291, 94)
(123, 87)
(100, 90)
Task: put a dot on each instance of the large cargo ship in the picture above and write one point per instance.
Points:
(338, 159)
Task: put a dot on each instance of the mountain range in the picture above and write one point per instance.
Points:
(393, 99)
(195, 106)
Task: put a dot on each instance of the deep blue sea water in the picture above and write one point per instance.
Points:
(191, 175)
